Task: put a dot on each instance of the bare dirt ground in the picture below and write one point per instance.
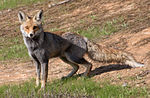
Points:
(134, 39)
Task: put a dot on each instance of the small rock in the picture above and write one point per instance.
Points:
(137, 85)
(9, 10)
(124, 84)
(49, 5)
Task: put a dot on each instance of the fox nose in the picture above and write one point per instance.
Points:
(31, 35)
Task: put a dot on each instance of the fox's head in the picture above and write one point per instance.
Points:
(30, 26)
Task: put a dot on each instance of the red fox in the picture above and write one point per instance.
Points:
(70, 47)
(42, 46)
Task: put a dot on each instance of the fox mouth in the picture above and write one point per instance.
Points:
(33, 37)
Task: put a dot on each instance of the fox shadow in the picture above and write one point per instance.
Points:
(108, 68)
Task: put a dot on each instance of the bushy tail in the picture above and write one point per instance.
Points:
(103, 54)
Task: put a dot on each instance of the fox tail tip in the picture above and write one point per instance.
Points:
(134, 64)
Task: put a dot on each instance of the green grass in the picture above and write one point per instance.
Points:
(96, 31)
(72, 87)
(108, 28)
(13, 48)
(5, 4)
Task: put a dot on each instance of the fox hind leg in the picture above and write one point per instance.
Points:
(70, 62)
(77, 60)
(87, 65)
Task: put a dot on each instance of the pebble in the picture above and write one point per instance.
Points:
(124, 84)
(9, 10)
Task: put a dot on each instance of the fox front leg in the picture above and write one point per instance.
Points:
(38, 69)
(44, 74)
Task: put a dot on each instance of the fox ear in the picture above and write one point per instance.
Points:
(22, 17)
(38, 16)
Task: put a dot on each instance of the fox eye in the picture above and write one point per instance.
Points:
(35, 27)
(26, 27)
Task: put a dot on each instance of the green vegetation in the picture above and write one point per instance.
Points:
(107, 29)
(12, 48)
(72, 87)
(5, 4)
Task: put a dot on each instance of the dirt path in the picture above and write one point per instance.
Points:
(16, 72)
(11, 72)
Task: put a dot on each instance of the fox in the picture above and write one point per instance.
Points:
(42, 46)
(68, 46)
